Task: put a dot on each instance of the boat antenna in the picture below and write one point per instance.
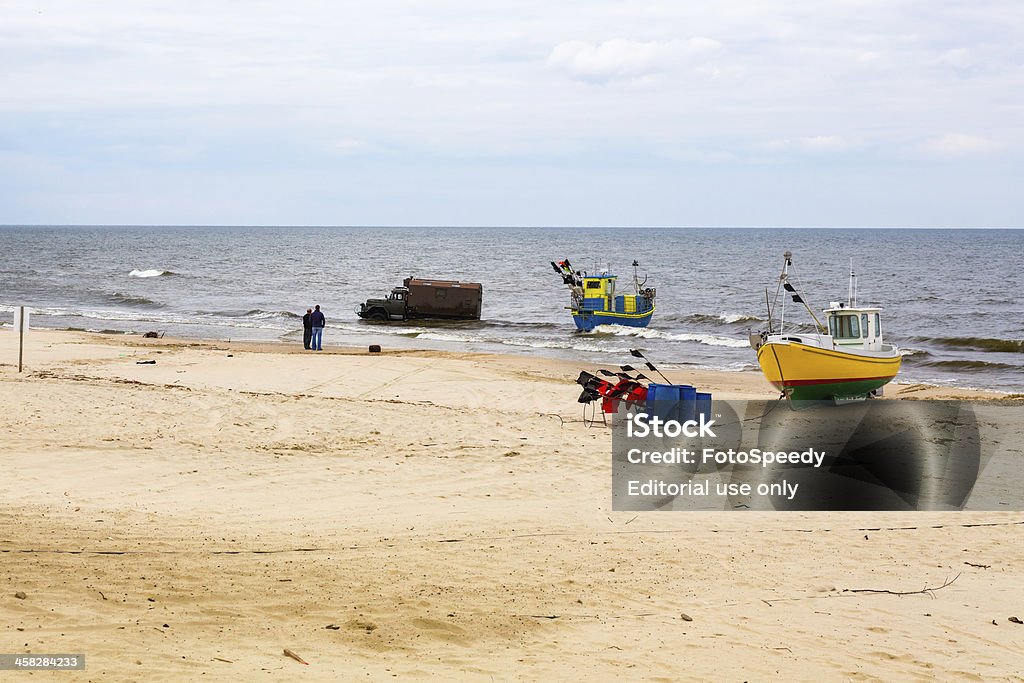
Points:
(853, 286)
(768, 303)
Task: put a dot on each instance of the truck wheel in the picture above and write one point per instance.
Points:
(378, 314)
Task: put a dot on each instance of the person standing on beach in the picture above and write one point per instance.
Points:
(319, 322)
(307, 328)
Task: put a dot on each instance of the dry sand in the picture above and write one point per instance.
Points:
(437, 514)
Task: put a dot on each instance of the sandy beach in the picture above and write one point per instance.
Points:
(436, 514)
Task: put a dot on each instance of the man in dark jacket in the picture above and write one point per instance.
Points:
(307, 328)
(319, 322)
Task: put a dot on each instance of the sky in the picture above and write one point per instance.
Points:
(874, 113)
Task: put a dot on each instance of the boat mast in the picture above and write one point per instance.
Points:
(797, 298)
(787, 261)
(636, 277)
(782, 316)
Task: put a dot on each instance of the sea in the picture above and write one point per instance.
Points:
(951, 298)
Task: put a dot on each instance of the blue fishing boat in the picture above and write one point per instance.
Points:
(596, 302)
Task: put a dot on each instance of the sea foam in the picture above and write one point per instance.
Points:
(149, 273)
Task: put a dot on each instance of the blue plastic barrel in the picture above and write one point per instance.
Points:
(688, 403)
(663, 400)
(704, 405)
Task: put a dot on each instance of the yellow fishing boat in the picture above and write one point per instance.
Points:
(844, 359)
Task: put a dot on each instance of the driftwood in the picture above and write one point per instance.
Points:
(927, 590)
(924, 591)
(294, 656)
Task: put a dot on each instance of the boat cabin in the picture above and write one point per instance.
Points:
(855, 326)
(598, 291)
(599, 295)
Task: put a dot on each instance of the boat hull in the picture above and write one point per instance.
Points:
(588, 320)
(810, 373)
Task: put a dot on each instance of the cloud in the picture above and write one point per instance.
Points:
(349, 146)
(117, 90)
(871, 58)
(959, 58)
(959, 145)
(811, 143)
(619, 59)
(825, 143)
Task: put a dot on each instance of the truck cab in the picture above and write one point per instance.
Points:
(391, 308)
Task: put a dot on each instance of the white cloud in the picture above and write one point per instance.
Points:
(700, 45)
(959, 145)
(624, 59)
(810, 143)
(349, 146)
(960, 58)
(825, 143)
(870, 58)
(116, 88)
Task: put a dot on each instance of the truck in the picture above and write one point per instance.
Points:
(420, 298)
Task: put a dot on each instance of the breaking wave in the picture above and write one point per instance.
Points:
(970, 365)
(161, 317)
(647, 333)
(149, 273)
(260, 314)
(978, 343)
(130, 300)
(720, 318)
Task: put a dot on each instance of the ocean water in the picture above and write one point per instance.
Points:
(952, 298)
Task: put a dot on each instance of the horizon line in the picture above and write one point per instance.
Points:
(500, 227)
